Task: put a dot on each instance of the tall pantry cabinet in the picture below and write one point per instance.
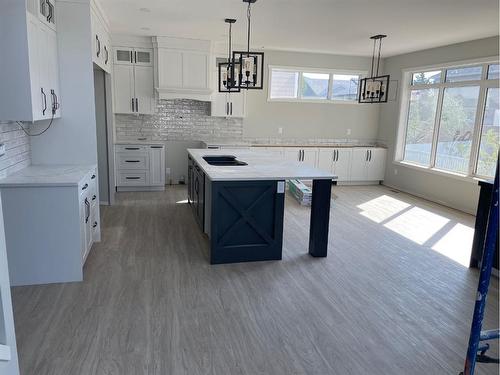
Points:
(30, 72)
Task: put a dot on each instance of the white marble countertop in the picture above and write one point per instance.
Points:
(298, 145)
(261, 166)
(147, 143)
(47, 175)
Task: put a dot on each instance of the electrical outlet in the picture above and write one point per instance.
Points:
(348, 131)
(280, 130)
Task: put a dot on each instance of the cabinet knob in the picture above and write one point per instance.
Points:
(93, 177)
(94, 197)
(85, 186)
(95, 224)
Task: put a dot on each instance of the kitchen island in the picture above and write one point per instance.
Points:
(238, 199)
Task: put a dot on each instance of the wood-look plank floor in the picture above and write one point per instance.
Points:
(381, 303)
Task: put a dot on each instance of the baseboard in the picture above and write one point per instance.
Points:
(428, 199)
(139, 188)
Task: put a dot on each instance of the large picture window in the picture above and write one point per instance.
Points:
(451, 119)
(313, 85)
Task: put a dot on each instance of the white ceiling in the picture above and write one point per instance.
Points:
(330, 26)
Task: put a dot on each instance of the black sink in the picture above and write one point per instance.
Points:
(223, 160)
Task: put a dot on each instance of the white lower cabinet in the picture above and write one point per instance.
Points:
(50, 224)
(337, 161)
(140, 167)
(306, 155)
(368, 164)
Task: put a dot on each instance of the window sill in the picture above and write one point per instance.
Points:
(317, 101)
(439, 172)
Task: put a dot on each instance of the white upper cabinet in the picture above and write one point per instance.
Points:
(30, 69)
(101, 52)
(226, 104)
(133, 80)
(183, 68)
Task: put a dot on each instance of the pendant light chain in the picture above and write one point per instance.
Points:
(373, 57)
(249, 16)
(379, 48)
(229, 55)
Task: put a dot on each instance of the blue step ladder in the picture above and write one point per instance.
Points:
(478, 346)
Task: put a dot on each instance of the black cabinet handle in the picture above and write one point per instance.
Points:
(136, 105)
(95, 224)
(227, 108)
(44, 102)
(94, 197)
(135, 56)
(107, 55)
(370, 155)
(132, 148)
(132, 178)
(98, 45)
(132, 161)
(156, 146)
(87, 209)
(231, 105)
(51, 12)
(133, 105)
(84, 187)
(92, 177)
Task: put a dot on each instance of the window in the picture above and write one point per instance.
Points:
(345, 87)
(284, 84)
(451, 119)
(313, 85)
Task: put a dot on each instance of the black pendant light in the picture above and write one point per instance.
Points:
(229, 71)
(251, 73)
(374, 89)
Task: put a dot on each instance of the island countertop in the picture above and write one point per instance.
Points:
(261, 166)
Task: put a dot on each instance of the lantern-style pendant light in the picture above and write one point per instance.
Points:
(229, 71)
(251, 74)
(374, 89)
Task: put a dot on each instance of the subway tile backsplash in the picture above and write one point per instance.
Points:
(17, 148)
(178, 119)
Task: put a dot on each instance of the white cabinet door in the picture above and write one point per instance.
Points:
(85, 225)
(292, 154)
(277, 152)
(144, 94)
(156, 166)
(34, 39)
(53, 66)
(310, 156)
(359, 162)
(124, 88)
(43, 70)
(143, 57)
(219, 105)
(376, 164)
(325, 159)
(170, 68)
(342, 164)
(123, 55)
(194, 70)
(237, 103)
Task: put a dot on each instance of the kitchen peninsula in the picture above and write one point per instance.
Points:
(238, 199)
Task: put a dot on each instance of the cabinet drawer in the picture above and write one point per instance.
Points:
(133, 178)
(131, 148)
(132, 161)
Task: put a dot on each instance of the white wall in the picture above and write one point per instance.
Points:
(452, 192)
(71, 139)
(309, 120)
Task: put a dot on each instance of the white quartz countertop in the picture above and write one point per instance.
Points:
(47, 175)
(261, 166)
(146, 143)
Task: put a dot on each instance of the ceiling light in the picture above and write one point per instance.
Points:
(229, 71)
(374, 89)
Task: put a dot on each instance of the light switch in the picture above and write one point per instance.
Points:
(281, 187)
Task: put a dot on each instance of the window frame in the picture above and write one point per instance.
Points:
(405, 96)
(301, 71)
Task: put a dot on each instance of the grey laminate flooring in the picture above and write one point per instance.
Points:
(383, 302)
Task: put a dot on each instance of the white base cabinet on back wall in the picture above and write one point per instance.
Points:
(140, 167)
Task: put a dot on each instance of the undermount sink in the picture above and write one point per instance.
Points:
(223, 160)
